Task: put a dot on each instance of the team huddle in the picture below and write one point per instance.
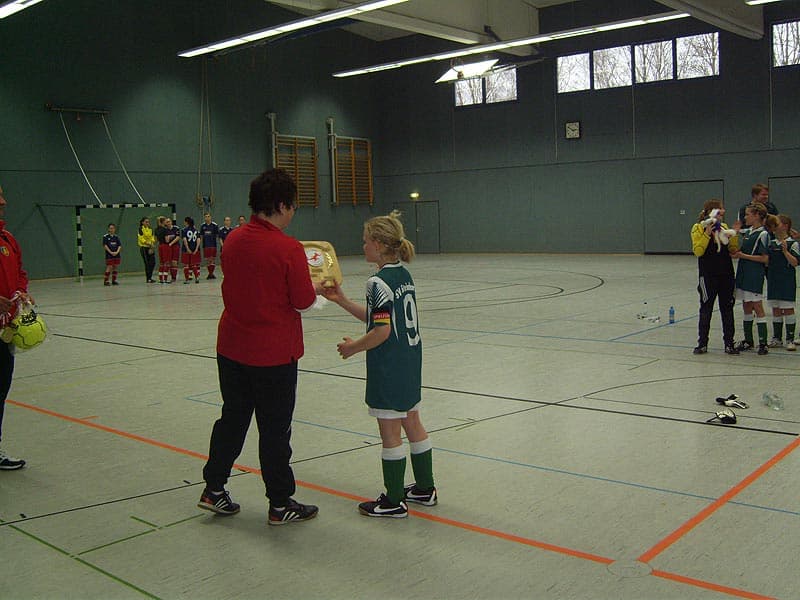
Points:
(189, 246)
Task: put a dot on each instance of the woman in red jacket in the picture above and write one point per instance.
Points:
(13, 291)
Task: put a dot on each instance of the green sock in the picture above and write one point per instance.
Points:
(422, 464)
(777, 329)
(762, 332)
(748, 331)
(394, 472)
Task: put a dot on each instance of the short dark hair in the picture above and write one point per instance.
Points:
(271, 189)
(189, 221)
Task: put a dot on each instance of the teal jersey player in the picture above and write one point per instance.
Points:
(394, 368)
(750, 274)
(781, 278)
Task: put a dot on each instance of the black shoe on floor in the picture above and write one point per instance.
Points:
(9, 463)
(419, 496)
(731, 350)
(383, 507)
(700, 350)
(744, 345)
(293, 511)
(762, 349)
(219, 503)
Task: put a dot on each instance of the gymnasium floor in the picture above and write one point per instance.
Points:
(571, 448)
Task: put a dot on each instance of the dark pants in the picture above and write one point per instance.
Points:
(710, 288)
(149, 259)
(6, 371)
(270, 392)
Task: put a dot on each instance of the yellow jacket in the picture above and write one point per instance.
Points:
(700, 240)
(146, 239)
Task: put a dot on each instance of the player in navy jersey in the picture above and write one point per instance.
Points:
(224, 231)
(113, 247)
(209, 231)
(394, 366)
(190, 257)
(173, 237)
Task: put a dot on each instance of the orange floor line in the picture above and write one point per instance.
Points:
(710, 586)
(717, 504)
(451, 522)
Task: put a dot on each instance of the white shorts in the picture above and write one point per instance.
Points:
(384, 413)
(782, 304)
(746, 296)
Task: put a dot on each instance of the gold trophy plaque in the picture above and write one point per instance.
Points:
(322, 263)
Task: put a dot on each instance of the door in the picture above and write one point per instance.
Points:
(421, 222)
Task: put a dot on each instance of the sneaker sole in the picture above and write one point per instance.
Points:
(11, 467)
(214, 509)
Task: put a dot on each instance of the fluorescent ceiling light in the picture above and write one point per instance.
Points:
(253, 36)
(467, 71)
(537, 39)
(9, 8)
(756, 2)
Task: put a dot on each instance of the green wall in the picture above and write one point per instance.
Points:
(122, 57)
(507, 180)
(504, 177)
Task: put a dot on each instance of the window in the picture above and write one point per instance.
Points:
(612, 67)
(698, 55)
(653, 61)
(469, 91)
(501, 86)
(498, 86)
(786, 44)
(573, 73)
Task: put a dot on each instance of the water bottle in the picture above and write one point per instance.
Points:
(671, 315)
(772, 400)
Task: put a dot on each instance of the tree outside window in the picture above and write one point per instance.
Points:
(573, 72)
(501, 86)
(786, 44)
(653, 61)
(612, 67)
(698, 55)
(469, 91)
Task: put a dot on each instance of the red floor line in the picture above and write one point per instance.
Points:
(437, 519)
(717, 504)
(710, 586)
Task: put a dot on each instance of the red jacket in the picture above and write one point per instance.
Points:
(266, 283)
(13, 277)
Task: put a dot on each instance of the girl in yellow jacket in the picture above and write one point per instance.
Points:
(715, 275)
(147, 245)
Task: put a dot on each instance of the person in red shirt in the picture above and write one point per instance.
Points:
(259, 341)
(13, 292)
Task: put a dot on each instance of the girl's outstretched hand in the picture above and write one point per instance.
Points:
(346, 348)
(334, 293)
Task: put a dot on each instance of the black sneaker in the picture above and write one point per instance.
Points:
(383, 507)
(731, 349)
(219, 503)
(293, 511)
(419, 496)
(744, 345)
(115, 283)
(211, 276)
(9, 463)
(700, 350)
(762, 349)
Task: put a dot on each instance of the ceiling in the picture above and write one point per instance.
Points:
(464, 21)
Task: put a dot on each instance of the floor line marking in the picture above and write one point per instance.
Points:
(719, 503)
(434, 518)
(709, 586)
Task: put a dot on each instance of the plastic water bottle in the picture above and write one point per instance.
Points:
(671, 315)
(772, 400)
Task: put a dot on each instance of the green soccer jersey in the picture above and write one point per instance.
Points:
(750, 274)
(394, 369)
(781, 282)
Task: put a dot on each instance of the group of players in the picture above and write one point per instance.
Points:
(189, 246)
(767, 249)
